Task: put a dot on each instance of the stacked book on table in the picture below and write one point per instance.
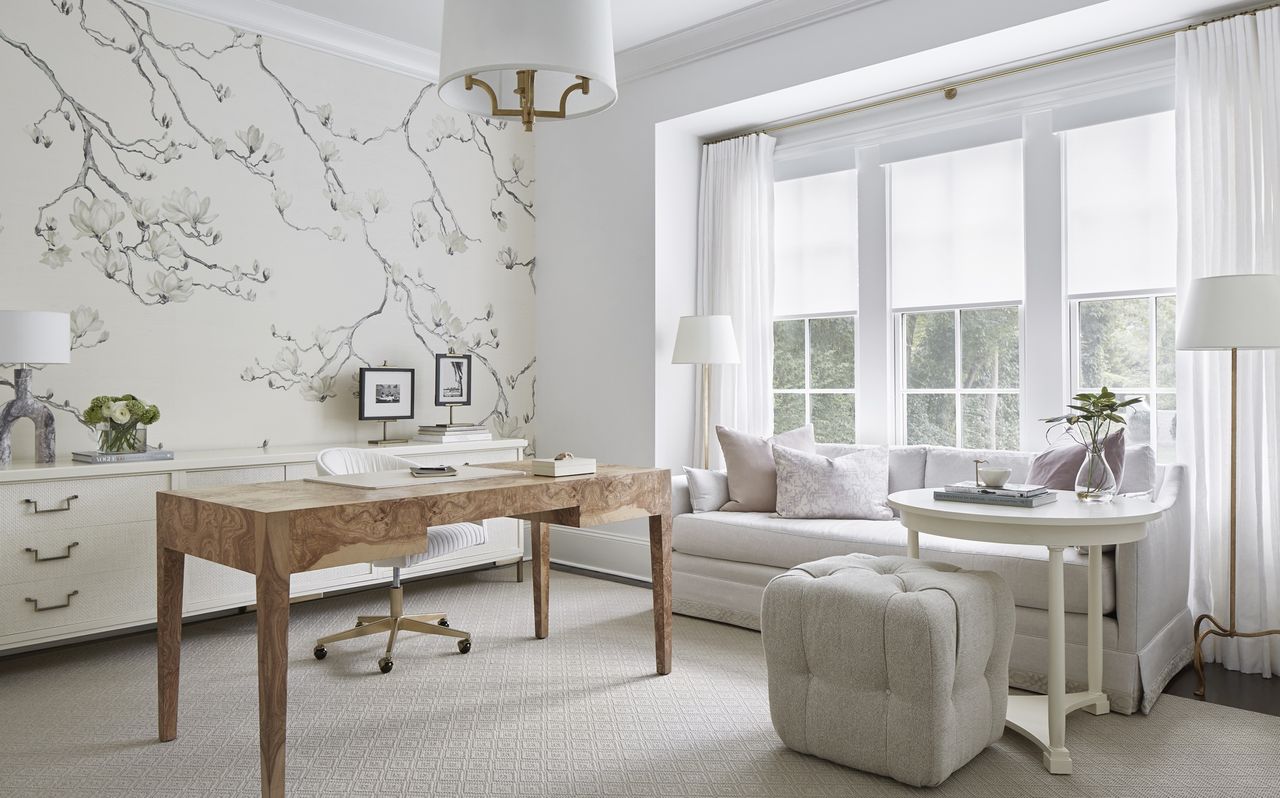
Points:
(1011, 494)
(453, 433)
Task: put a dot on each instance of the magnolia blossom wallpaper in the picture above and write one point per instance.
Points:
(238, 224)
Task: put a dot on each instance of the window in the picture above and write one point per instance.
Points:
(961, 389)
(955, 225)
(815, 299)
(1127, 344)
(813, 376)
(1120, 234)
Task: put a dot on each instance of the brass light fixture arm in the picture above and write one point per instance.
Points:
(524, 90)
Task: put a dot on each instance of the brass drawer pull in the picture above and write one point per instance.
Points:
(63, 605)
(66, 505)
(65, 556)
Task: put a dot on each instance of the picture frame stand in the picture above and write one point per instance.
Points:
(385, 441)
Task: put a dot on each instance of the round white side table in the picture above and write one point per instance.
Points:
(1066, 522)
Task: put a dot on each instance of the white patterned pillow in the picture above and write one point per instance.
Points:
(853, 486)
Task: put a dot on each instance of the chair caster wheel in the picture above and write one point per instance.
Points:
(385, 665)
(464, 645)
(443, 622)
(320, 652)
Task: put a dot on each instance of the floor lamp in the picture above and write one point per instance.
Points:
(1229, 312)
(706, 341)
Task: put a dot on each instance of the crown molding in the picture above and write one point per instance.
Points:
(303, 28)
(729, 32)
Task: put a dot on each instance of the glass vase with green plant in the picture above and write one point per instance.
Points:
(1090, 423)
(121, 422)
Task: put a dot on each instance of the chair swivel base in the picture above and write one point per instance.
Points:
(392, 625)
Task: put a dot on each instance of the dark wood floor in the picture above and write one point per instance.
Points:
(1230, 689)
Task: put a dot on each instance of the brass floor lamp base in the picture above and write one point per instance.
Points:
(1216, 630)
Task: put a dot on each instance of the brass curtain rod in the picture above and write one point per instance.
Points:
(950, 90)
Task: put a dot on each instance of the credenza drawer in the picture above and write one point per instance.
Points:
(218, 477)
(57, 553)
(115, 596)
(68, 503)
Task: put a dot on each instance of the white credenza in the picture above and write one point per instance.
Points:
(78, 549)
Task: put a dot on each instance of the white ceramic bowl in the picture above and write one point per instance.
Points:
(994, 477)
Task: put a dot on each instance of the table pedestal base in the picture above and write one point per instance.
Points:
(1028, 715)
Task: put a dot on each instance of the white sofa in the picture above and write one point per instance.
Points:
(723, 560)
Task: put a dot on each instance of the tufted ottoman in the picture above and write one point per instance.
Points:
(888, 664)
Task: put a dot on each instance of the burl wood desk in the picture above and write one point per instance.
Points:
(276, 529)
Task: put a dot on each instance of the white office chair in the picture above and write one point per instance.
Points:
(441, 540)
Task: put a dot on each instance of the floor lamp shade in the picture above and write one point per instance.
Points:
(705, 339)
(563, 40)
(35, 336)
(1232, 311)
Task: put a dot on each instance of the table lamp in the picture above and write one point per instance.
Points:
(706, 341)
(26, 337)
(1229, 312)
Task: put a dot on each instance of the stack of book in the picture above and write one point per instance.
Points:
(453, 433)
(1011, 494)
(121, 457)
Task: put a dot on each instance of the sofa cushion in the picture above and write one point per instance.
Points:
(1139, 469)
(906, 463)
(765, 539)
(813, 486)
(708, 490)
(753, 478)
(945, 465)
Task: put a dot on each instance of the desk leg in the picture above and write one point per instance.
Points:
(273, 671)
(913, 544)
(540, 538)
(1102, 706)
(1057, 759)
(169, 573)
(660, 563)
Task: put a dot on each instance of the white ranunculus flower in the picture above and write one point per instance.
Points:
(119, 412)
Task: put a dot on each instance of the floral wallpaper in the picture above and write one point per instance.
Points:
(238, 224)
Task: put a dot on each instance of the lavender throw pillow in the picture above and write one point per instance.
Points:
(1056, 468)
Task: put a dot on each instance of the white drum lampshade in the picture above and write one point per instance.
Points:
(1231, 311)
(35, 336)
(705, 339)
(561, 41)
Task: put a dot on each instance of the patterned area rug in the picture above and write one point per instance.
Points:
(578, 714)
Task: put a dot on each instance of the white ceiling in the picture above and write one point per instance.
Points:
(417, 22)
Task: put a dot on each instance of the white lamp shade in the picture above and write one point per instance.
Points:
(1231, 311)
(561, 39)
(35, 336)
(705, 339)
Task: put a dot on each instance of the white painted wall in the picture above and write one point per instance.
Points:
(616, 264)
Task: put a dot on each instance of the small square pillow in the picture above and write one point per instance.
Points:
(708, 490)
(853, 486)
(1056, 468)
(753, 480)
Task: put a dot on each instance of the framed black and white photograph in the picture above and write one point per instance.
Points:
(386, 394)
(453, 380)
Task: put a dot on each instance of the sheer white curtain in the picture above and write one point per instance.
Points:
(735, 276)
(1228, 117)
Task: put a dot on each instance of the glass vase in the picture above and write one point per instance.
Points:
(1095, 481)
(121, 438)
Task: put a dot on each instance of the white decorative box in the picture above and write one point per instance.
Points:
(568, 467)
